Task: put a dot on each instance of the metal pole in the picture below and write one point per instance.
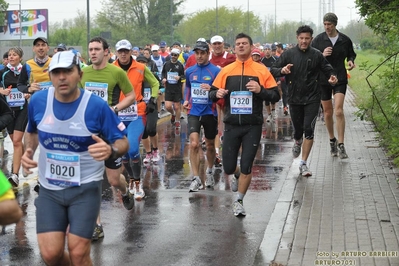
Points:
(217, 18)
(301, 10)
(20, 25)
(275, 19)
(171, 20)
(248, 17)
(88, 22)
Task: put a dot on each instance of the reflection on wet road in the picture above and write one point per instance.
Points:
(171, 226)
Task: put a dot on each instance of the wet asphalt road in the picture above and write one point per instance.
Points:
(171, 226)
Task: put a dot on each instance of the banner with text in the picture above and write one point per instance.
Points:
(34, 23)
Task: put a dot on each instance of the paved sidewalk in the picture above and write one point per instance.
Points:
(346, 213)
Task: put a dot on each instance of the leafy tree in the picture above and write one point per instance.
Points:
(71, 32)
(3, 9)
(3, 6)
(140, 21)
(383, 108)
(231, 21)
(381, 16)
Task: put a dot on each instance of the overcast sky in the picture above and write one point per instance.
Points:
(308, 10)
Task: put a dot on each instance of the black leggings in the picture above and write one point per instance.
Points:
(303, 118)
(247, 137)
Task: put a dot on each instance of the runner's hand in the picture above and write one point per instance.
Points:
(151, 105)
(100, 150)
(27, 161)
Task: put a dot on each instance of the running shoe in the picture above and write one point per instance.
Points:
(210, 180)
(173, 119)
(98, 232)
(131, 186)
(203, 145)
(218, 161)
(304, 170)
(127, 200)
(14, 180)
(274, 115)
(196, 184)
(238, 208)
(342, 151)
(37, 188)
(334, 148)
(155, 156)
(148, 158)
(234, 183)
(269, 118)
(138, 190)
(285, 110)
(296, 149)
(177, 131)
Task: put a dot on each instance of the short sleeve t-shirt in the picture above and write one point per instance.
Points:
(107, 83)
(6, 192)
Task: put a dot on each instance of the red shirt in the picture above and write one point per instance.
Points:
(222, 60)
(191, 61)
(164, 54)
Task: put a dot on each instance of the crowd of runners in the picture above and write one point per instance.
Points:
(89, 117)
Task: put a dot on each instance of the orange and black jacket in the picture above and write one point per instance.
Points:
(138, 73)
(234, 77)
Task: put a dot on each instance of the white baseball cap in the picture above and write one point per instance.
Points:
(155, 48)
(201, 40)
(175, 51)
(123, 44)
(217, 38)
(64, 59)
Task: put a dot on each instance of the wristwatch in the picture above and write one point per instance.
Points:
(115, 109)
(114, 152)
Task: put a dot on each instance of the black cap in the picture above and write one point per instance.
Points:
(203, 46)
(177, 44)
(40, 39)
(141, 58)
(61, 47)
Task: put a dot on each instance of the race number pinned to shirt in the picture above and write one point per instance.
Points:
(171, 77)
(147, 95)
(198, 95)
(15, 98)
(45, 85)
(99, 89)
(128, 114)
(63, 170)
(241, 102)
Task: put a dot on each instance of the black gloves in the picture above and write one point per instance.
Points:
(151, 105)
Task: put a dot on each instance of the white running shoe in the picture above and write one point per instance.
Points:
(238, 209)
(234, 183)
(196, 184)
(210, 180)
(14, 180)
(155, 156)
(138, 190)
(148, 158)
(269, 118)
(304, 170)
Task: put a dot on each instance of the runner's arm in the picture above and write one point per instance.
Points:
(10, 212)
(154, 84)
